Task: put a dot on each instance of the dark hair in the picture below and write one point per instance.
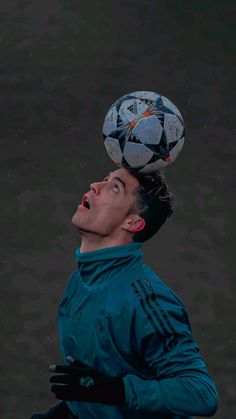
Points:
(154, 203)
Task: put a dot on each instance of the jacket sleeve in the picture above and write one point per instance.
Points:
(178, 381)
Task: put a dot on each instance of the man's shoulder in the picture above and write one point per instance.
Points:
(156, 309)
(152, 284)
(149, 294)
(144, 292)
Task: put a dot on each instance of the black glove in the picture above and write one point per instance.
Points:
(83, 383)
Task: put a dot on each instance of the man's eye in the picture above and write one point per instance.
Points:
(117, 187)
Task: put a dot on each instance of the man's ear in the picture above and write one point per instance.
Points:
(135, 224)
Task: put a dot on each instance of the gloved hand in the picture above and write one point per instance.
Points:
(83, 383)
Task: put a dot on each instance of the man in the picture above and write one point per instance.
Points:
(125, 336)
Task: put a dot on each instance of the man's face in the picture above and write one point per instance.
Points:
(109, 202)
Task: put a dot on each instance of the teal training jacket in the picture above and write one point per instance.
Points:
(120, 318)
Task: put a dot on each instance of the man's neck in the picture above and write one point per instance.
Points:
(88, 245)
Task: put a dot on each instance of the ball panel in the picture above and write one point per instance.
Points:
(154, 167)
(168, 104)
(176, 150)
(146, 95)
(148, 130)
(132, 109)
(110, 123)
(137, 155)
(173, 128)
(113, 149)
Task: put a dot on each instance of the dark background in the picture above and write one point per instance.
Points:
(62, 65)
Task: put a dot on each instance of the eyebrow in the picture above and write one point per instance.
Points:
(118, 178)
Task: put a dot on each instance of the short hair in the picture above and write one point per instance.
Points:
(154, 203)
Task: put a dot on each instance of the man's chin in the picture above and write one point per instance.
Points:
(77, 225)
(75, 218)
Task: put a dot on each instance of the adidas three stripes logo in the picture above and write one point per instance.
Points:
(156, 315)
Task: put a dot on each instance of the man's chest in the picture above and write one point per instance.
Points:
(96, 327)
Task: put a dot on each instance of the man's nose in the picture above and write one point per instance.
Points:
(96, 187)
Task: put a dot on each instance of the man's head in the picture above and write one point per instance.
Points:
(154, 203)
(122, 209)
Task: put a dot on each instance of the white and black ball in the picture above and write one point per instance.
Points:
(143, 131)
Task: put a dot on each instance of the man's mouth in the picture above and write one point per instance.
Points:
(85, 202)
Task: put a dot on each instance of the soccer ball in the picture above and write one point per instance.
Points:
(143, 131)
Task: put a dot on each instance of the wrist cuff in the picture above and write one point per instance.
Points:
(116, 391)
